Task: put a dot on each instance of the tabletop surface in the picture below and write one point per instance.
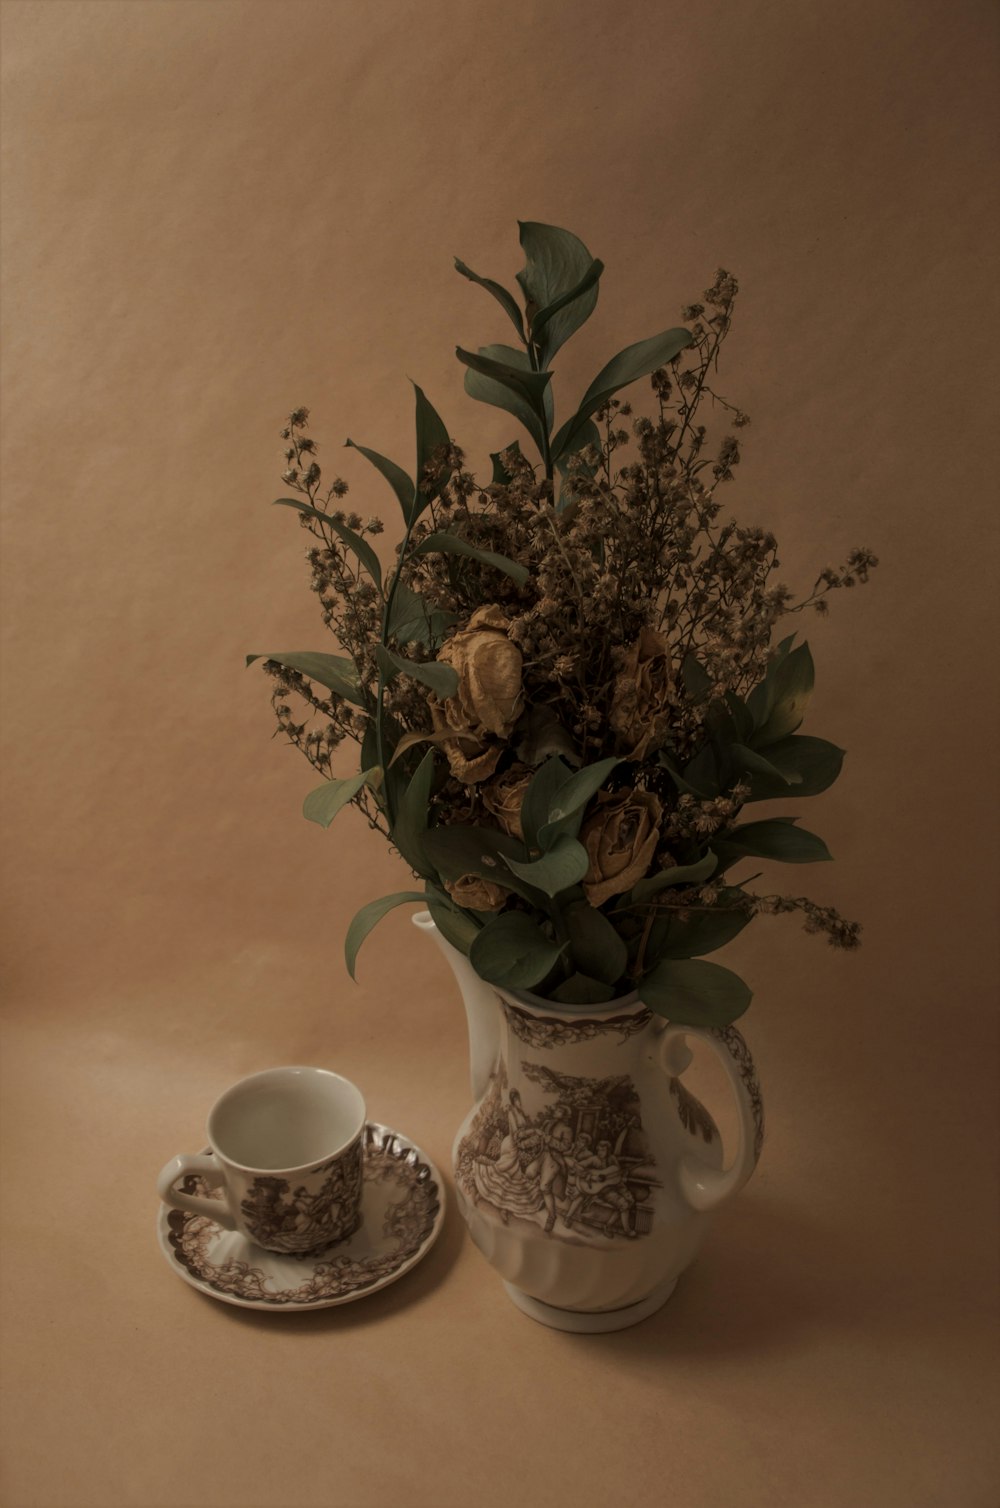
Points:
(832, 1344)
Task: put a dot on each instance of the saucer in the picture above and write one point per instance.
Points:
(402, 1206)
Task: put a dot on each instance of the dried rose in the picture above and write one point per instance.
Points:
(620, 838)
(504, 796)
(489, 699)
(640, 710)
(471, 759)
(476, 894)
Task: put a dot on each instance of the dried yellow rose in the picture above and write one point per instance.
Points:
(504, 796)
(620, 837)
(476, 894)
(642, 687)
(489, 698)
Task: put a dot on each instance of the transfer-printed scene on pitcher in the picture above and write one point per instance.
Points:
(293, 1220)
(579, 1168)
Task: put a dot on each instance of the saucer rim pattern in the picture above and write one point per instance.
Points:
(395, 1150)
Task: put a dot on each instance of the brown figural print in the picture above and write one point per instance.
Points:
(580, 1166)
(285, 1217)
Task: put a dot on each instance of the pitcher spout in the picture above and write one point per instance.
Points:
(481, 1010)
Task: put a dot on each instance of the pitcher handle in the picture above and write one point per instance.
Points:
(704, 1187)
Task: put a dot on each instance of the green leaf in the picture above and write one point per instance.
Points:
(635, 361)
(369, 745)
(410, 622)
(442, 679)
(578, 989)
(509, 386)
(677, 874)
(595, 946)
(506, 300)
(775, 838)
(323, 804)
(547, 319)
(755, 764)
(545, 784)
(679, 778)
(362, 550)
(691, 992)
(361, 547)
(784, 698)
(815, 762)
(589, 435)
(452, 544)
(391, 734)
(573, 796)
(513, 952)
(412, 814)
(337, 673)
(697, 681)
(565, 864)
(702, 933)
(741, 718)
(703, 775)
(401, 484)
(431, 435)
(558, 264)
(761, 698)
(509, 356)
(412, 740)
(368, 917)
(457, 851)
(455, 925)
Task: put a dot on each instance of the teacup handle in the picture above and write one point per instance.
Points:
(206, 1167)
(705, 1187)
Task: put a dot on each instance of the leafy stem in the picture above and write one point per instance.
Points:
(390, 598)
(545, 436)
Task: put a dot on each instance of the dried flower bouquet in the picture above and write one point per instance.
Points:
(565, 689)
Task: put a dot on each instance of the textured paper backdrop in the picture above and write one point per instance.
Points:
(217, 209)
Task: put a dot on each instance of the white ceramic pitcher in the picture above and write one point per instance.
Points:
(585, 1170)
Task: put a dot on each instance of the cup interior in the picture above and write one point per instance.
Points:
(286, 1118)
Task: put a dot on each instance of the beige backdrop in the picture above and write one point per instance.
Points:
(217, 209)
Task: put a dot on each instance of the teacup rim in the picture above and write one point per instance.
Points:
(302, 1167)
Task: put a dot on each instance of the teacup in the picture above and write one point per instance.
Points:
(287, 1147)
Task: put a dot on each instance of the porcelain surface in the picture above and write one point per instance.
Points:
(402, 1213)
(586, 1170)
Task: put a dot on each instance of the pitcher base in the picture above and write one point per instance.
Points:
(597, 1322)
